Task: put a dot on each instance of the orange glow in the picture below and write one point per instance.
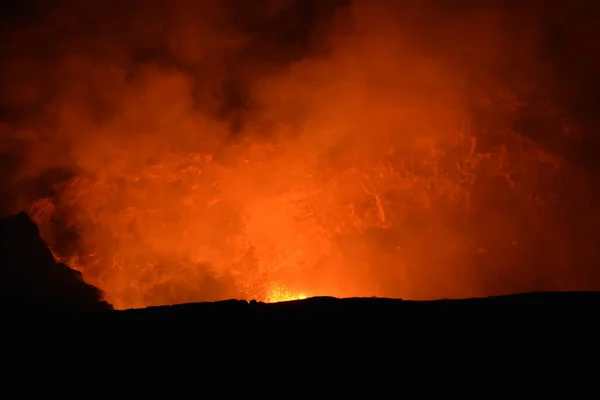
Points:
(206, 151)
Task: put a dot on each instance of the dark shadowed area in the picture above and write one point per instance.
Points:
(181, 151)
(31, 280)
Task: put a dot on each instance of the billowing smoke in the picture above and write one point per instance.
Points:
(180, 151)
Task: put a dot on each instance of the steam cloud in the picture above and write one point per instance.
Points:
(434, 149)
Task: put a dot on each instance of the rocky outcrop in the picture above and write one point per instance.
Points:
(30, 278)
(323, 310)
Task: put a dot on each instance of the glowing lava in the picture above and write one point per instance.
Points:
(281, 293)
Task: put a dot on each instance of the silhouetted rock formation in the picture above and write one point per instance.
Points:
(314, 311)
(31, 279)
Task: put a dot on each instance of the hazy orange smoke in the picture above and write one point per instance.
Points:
(178, 151)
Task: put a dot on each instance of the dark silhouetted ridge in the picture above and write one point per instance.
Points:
(31, 279)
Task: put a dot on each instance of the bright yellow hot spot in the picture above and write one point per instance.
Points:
(282, 293)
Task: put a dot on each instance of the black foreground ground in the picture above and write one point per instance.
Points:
(32, 282)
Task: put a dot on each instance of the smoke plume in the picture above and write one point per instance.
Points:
(178, 151)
